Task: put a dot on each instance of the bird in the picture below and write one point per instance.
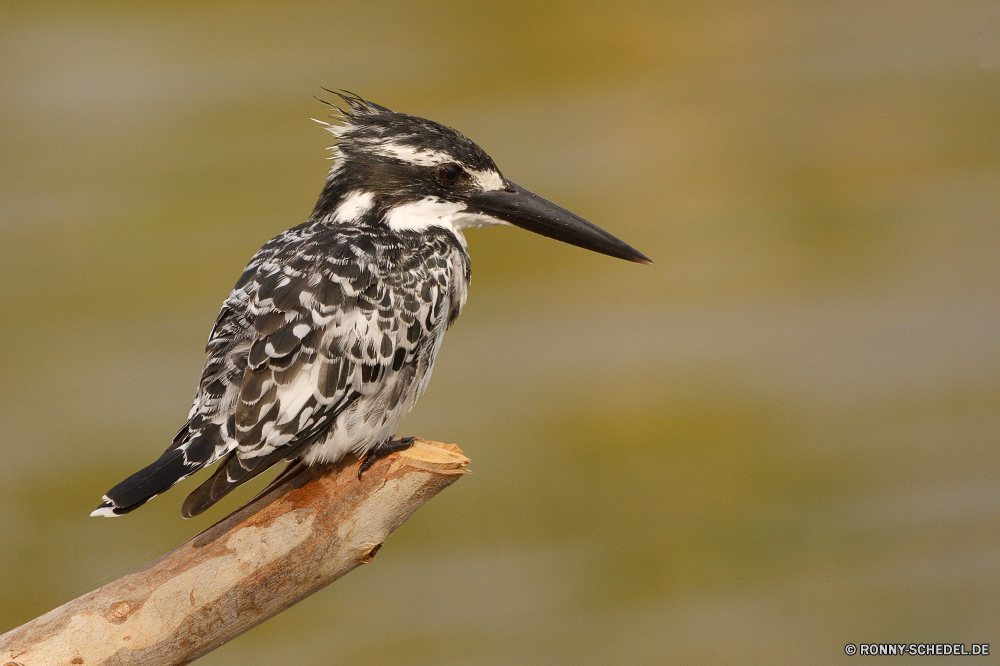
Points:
(330, 334)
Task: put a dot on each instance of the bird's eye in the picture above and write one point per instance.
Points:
(447, 174)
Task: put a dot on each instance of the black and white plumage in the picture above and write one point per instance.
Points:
(329, 337)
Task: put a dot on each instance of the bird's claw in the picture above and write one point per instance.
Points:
(380, 451)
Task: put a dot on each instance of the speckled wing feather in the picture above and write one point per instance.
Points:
(317, 323)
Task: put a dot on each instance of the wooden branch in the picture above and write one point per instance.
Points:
(277, 550)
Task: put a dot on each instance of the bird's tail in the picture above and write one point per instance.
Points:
(146, 484)
(195, 445)
(232, 472)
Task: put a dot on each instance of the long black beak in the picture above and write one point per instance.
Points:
(529, 211)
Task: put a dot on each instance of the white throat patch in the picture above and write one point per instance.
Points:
(433, 212)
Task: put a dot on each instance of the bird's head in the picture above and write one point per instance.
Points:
(411, 174)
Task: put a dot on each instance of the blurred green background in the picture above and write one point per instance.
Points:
(780, 438)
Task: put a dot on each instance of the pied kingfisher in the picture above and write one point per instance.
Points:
(329, 336)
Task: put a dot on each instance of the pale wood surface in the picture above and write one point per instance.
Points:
(286, 544)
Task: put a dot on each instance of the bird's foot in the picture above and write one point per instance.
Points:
(380, 451)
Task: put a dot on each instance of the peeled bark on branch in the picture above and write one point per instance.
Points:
(297, 538)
